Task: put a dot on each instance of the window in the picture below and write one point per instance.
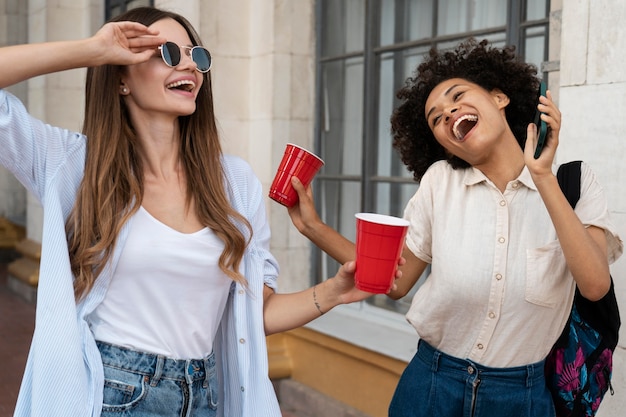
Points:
(113, 8)
(366, 51)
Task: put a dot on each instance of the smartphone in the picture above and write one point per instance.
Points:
(542, 127)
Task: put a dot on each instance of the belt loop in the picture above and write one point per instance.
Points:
(207, 370)
(436, 357)
(530, 373)
(158, 371)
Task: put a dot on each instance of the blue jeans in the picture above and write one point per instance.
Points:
(138, 384)
(436, 384)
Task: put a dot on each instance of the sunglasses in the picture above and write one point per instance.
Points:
(171, 54)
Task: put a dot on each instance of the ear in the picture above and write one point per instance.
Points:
(124, 90)
(501, 99)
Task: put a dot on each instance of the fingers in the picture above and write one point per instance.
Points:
(349, 267)
(145, 42)
(298, 186)
(135, 29)
(551, 114)
(531, 140)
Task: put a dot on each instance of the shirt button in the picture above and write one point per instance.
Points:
(242, 341)
(503, 203)
(480, 346)
(492, 315)
(501, 240)
(242, 389)
(498, 277)
(515, 184)
(240, 292)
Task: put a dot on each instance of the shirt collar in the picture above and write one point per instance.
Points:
(474, 176)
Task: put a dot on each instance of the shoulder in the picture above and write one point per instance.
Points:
(235, 164)
(238, 170)
(441, 172)
(242, 182)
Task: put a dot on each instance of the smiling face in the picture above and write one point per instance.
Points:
(157, 90)
(466, 119)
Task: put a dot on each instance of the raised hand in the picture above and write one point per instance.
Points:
(126, 43)
(552, 116)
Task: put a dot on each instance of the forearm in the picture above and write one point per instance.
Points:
(22, 62)
(584, 248)
(331, 242)
(284, 312)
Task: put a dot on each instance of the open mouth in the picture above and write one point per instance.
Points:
(463, 125)
(183, 85)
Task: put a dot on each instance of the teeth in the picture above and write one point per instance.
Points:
(455, 128)
(189, 83)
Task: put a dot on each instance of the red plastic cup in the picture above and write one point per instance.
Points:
(296, 162)
(379, 242)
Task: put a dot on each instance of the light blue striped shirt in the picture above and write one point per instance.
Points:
(64, 375)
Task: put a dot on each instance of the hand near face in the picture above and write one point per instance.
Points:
(126, 43)
(552, 116)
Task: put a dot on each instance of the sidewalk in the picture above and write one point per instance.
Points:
(17, 322)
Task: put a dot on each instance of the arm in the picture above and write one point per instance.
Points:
(122, 43)
(284, 312)
(305, 218)
(585, 249)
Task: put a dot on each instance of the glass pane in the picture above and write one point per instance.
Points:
(339, 202)
(342, 117)
(405, 20)
(391, 198)
(395, 68)
(497, 39)
(455, 16)
(535, 40)
(343, 26)
(138, 3)
(537, 9)
(116, 11)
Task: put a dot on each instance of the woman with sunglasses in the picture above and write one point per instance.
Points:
(157, 287)
(505, 249)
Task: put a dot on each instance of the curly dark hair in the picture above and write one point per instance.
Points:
(477, 62)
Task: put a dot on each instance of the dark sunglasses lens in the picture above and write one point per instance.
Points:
(171, 54)
(202, 58)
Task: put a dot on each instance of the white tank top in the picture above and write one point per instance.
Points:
(167, 295)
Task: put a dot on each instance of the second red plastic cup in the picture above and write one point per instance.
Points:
(379, 242)
(296, 162)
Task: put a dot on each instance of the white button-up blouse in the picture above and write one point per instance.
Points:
(499, 291)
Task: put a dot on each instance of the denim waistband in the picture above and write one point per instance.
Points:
(156, 366)
(525, 374)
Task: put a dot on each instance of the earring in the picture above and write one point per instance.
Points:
(124, 90)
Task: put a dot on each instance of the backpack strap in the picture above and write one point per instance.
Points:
(602, 315)
(568, 176)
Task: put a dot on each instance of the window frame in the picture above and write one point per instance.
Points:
(109, 5)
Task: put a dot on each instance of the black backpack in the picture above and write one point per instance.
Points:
(579, 367)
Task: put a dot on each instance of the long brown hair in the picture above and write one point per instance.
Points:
(113, 185)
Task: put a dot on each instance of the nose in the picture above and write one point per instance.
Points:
(185, 59)
(449, 112)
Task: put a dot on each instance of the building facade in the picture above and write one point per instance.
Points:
(322, 73)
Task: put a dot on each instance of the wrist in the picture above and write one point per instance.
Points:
(324, 296)
(314, 230)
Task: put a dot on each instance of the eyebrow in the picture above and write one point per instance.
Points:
(445, 94)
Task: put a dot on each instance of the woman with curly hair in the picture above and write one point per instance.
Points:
(157, 286)
(505, 247)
